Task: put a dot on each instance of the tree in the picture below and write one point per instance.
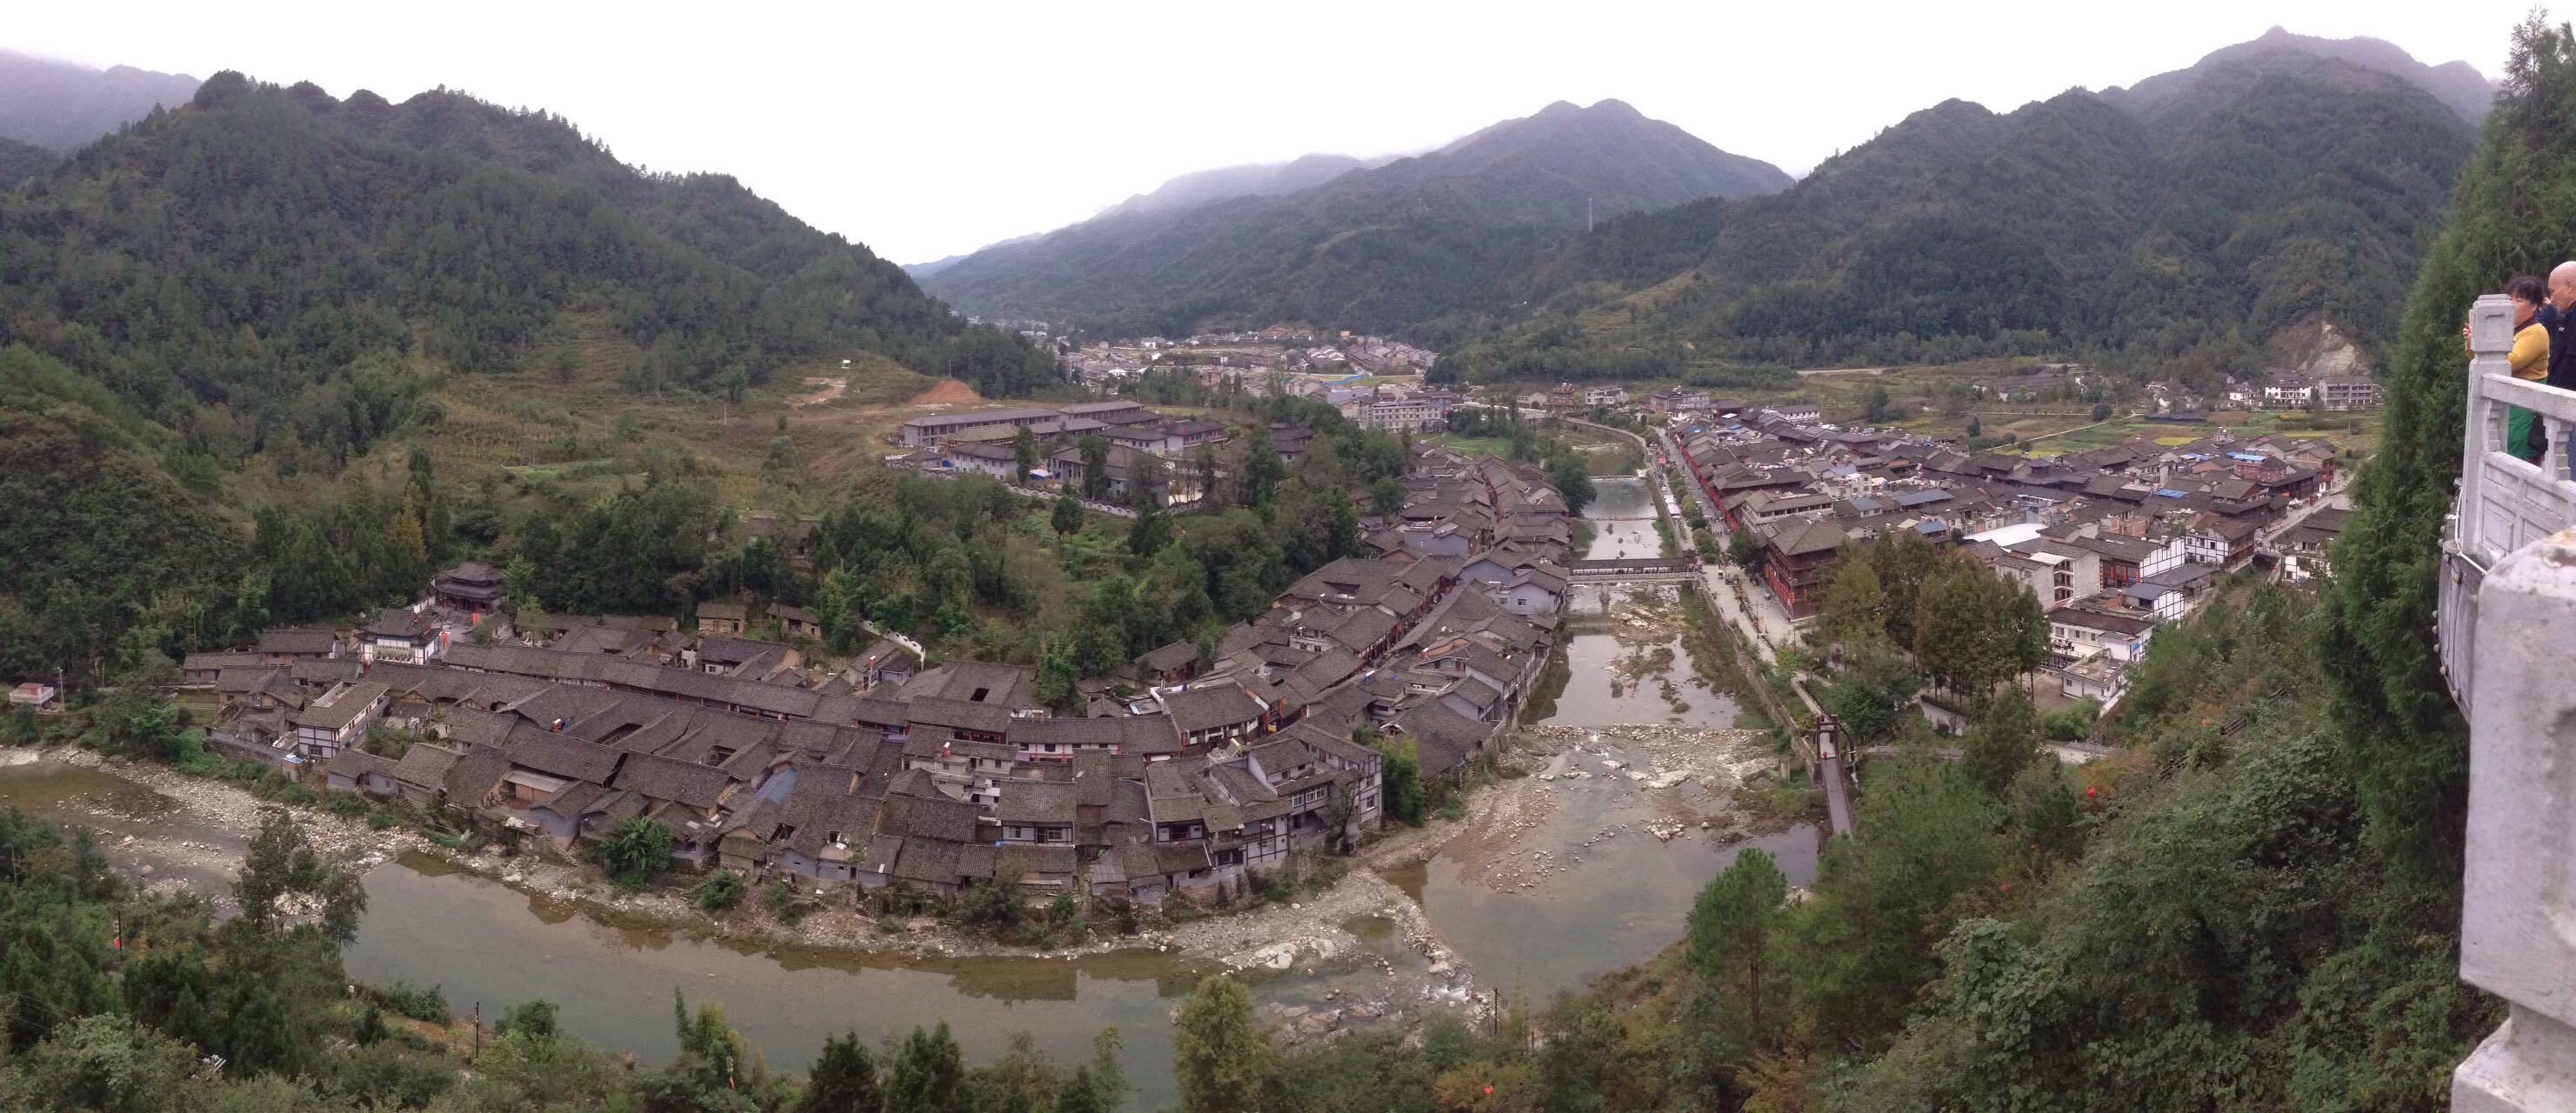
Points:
(842, 1080)
(1024, 453)
(1342, 537)
(1094, 452)
(1262, 473)
(1057, 675)
(1874, 404)
(1386, 497)
(2003, 740)
(1067, 515)
(1924, 836)
(1903, 562)
(529, 617)
(280, 862)
(1149, 532)
(637, 851)
(1731, 926)
(1853, 600)
(1744, 551)
(1572, 478)
(1973, 628)
(2101, 411)
(928, 1074)
(1401, 792)
(1872, 694)
(1219, 1059)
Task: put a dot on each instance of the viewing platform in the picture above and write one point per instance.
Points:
(2506, 623)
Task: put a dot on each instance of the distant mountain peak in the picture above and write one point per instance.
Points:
(1371, 242)
(61, 106)
(2457, 85)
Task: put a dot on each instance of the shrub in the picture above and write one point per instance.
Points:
(992, 906)
(784, 903)
(721, 891)
(417, 1002)
(638, 851)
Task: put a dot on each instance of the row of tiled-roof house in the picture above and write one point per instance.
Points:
(869, 772)
(2112, 541)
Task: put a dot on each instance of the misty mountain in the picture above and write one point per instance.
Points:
(1368, 248)
(2262, 196)
(61, 105)
(2456, 84)
(1202, 186)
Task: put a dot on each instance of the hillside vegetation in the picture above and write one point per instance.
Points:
(263, 285)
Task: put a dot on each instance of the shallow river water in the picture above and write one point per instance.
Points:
(1620, 900)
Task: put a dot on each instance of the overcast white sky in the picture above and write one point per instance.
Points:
(927, 128)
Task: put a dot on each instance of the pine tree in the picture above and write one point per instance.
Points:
(928, 1074)
(843, 1079)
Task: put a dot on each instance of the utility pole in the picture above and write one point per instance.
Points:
(1587, 216)
(478, 1033)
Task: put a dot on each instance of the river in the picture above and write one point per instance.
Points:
(1623, 897)
(1622, 513)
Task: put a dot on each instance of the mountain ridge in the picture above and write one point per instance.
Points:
(2456, 84)
(62, 105)
(1397, 221)
(2259, 197)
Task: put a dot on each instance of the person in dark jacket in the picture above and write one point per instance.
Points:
(2559, 317)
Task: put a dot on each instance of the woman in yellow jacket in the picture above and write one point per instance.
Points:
(2529, 359)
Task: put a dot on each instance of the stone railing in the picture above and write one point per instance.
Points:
(2508, 619)
(2505, 503)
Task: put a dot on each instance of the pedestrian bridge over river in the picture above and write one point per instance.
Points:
(1633, 570)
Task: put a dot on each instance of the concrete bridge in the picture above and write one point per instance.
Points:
(2508, 601)
(1633, 570)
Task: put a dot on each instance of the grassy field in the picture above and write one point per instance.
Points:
(1470, 447)
(571, 421)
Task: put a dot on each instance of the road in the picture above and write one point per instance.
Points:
(1740, 598)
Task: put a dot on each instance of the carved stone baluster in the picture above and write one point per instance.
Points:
(2490, 338)
(2518, 914)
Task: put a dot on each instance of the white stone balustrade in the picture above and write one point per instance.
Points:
(2508, 633)
(2504, 503)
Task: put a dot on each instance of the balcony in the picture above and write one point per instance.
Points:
(2508, 610)
(2504, 503)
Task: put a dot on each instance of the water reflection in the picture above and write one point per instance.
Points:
(490, 944)
(69, 792)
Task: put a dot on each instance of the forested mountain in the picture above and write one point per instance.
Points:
(2456, 84)
(1371, 248)
(60, 105)
(2258, 196)
(21, 161)
(271, 273)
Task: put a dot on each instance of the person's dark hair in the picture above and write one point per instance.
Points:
(2527, 288)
